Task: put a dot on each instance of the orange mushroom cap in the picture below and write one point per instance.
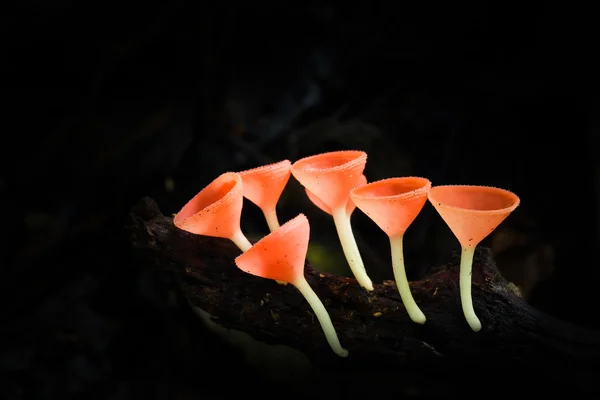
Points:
(331, 176)
(263, 185)
(281, 254)
(392, 203)
(350, 206)
(472, 212)
(215, 210)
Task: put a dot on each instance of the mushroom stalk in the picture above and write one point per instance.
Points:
(272, 220)
(241, 241)
(411, 306)
(322, 315)
(466, 268)
(344, 229)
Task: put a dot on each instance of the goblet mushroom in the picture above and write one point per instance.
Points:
(393, 204)
(216, 211)
(263, 186)
(471, 213)
(330, 177)
(281, 256)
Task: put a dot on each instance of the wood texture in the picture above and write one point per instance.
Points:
(518, 343)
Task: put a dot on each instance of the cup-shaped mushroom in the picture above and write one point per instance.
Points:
(350, 206)
(393, 204)
(263, 186)
(281, 255)
(216, 211)
(471, 213)
(330, 177)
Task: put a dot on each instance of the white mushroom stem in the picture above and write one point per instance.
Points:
(346, 236)
(466, 267)
(322, 315)
(272, 220)
(411, 306)
(242, 242)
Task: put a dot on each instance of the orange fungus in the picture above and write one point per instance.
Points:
(472, 212)
(215, 210)
(263, 185)
(350, 206)
(281, 254)
(393, 203)
(331, 176)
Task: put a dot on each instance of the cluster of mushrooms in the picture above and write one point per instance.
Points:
(335, 183)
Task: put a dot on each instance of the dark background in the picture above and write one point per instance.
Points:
(105, 105)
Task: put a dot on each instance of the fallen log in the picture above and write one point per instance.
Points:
(518, 345)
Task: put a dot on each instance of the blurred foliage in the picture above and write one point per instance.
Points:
(324, 259)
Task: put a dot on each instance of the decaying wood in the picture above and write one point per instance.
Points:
(516, 339)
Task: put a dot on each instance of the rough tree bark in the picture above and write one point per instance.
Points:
(517, 345)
